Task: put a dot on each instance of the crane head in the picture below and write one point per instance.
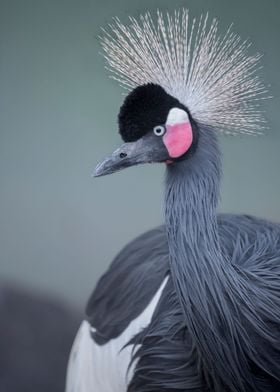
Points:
(184, 77)
(155, 127)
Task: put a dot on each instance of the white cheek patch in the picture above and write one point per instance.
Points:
(179, 136)
(177, 116)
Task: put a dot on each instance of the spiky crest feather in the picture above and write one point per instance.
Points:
(215, 77)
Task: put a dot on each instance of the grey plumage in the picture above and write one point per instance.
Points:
(215, 326)
(231, 307)
(128, 286)
(168, 358)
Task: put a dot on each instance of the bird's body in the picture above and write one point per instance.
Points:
(195, 304)
(167, 354)
(120, 301)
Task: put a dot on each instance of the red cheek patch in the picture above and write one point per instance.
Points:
(178, 139)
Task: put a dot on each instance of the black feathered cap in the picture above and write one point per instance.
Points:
(144, 108)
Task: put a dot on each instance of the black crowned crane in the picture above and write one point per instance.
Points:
(193, 305)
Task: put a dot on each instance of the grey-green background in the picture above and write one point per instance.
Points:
(59, 228)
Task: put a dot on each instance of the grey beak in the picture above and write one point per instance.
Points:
(122, 157)
(145, 150)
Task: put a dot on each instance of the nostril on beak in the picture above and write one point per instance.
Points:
(123, 155)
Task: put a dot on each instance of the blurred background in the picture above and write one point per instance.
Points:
(59, 228)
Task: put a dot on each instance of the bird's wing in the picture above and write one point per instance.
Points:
(80, 376)
(116, 311)
(121, 306)
(127, 287)
(249, 241)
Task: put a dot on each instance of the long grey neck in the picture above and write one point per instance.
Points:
(192, 195)
(201, 274)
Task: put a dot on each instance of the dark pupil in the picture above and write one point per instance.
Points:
(158, 130)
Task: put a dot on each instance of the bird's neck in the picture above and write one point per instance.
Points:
(200, 272)
(192, 195)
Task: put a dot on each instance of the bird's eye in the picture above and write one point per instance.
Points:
(159, 130)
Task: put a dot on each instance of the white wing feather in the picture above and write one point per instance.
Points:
(95, 368)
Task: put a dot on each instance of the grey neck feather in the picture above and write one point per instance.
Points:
(206, 284)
